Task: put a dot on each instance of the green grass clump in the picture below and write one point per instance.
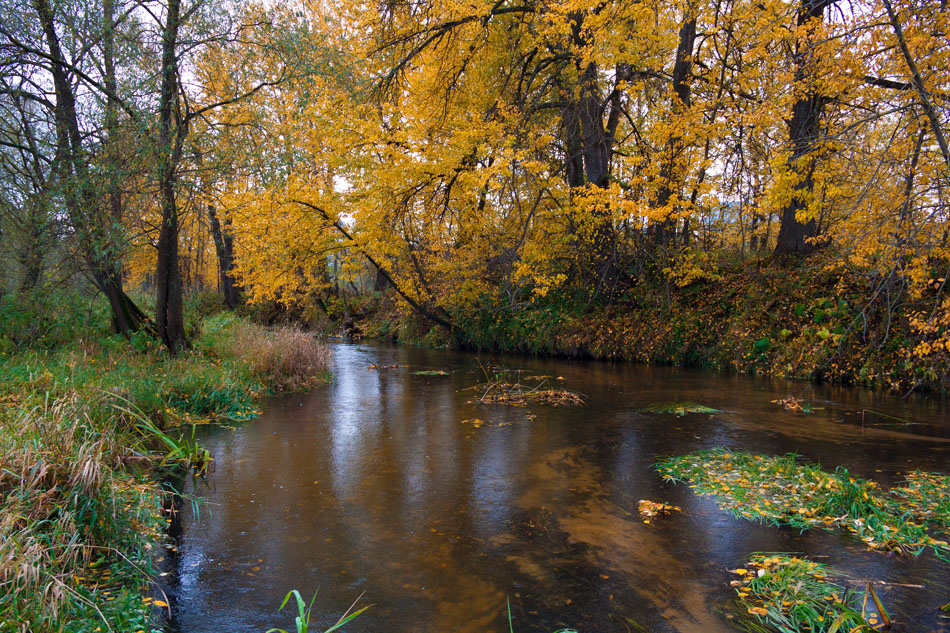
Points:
(304, 614)
(680, 408)
(795, 595)
(785, 491)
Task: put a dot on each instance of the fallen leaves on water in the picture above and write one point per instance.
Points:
(649, 509)
(791, 403)
(795, 594)
(785, 491)
(478, 423)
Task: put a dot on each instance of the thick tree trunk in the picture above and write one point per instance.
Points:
(224, 247)
(795, 235)
(169, 304)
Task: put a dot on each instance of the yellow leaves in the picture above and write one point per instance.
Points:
(650, 509)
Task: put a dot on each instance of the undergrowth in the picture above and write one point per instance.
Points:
(810, 322)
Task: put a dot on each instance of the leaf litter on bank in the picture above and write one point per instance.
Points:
(909, 518)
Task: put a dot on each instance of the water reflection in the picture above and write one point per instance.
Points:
(375, 484)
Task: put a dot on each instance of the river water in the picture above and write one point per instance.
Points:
(380, 485)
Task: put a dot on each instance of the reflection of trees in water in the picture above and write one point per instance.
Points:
(384, 490)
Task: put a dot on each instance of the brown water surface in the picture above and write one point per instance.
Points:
(376, 485)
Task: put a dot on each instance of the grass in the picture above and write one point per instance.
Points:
(77, 524)
(86, 430)
(909, 518)
(302, 622)
(680, 408)
(795, 595)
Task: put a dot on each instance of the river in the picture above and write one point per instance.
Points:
(380, 485)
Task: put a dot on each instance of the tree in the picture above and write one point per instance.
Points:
(799, 226)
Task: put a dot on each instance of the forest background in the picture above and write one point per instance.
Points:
(758, 185)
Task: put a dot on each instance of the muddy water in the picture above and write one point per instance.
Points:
(376, 486)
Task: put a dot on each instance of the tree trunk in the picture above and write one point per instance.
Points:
(587, 155)
(169, 305)
(671, 174)
(80, 198)
(224, 247)
(795, 234)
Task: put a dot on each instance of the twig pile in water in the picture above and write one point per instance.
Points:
(780, 490)
(519, 395)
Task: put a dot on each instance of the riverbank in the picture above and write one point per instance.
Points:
(87, 430)
(813, 322)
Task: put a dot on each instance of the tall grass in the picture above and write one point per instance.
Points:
(285, 358)
(69, 510)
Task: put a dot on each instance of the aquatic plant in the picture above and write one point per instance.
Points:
(795, 595)
(431, 372)
(304, 611)
(680, 408)
(785, 491)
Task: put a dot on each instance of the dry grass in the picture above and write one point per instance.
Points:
(64, 505)
(284, 358)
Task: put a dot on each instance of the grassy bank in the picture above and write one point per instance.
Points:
(810, 322)
(87, 427)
